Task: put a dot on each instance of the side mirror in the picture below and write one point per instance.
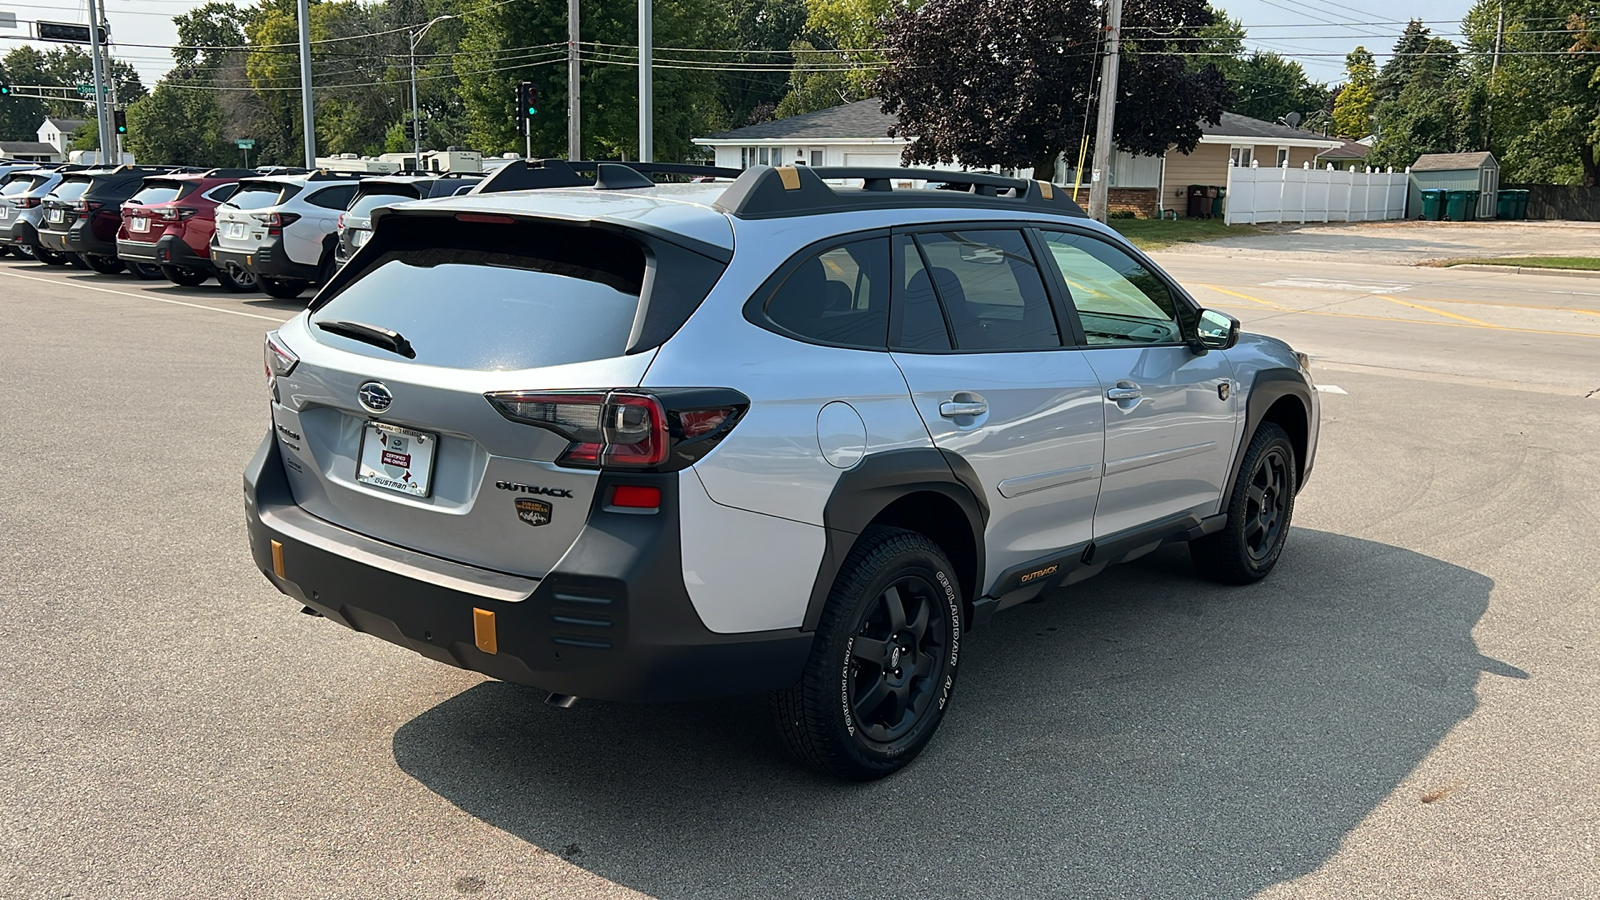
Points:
(1216, 330)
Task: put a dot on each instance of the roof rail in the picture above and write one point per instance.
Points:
(764, 192)
(528, 175)
(229, 173)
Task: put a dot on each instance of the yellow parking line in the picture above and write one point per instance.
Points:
(1248, 297)
(1572, 309)
(1438, 312)
(1405, 321)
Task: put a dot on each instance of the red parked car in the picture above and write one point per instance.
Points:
(169, 222)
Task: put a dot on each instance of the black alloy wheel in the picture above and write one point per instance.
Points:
(146, 271)
(1259, 510)
(185, 276)
(883, 662)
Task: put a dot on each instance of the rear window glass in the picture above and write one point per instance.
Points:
(70, 190)
(160, 192)
(21, 185)
(497, 298)
(365, 203)
(260, 196)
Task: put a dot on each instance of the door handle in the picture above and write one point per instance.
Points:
(951, 409)
(1121, 393)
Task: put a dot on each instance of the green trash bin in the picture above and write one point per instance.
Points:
(1505, 205)
(1472, 204)
(1216, 202)
(1433, 204)
(1456, 205)
(1522, 204)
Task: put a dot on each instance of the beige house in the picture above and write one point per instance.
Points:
(857, 134)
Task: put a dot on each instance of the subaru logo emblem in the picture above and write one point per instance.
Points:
(374, 396)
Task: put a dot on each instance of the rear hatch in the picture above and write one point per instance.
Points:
(152, 207)
(241, 220)
(61, 206)
(14, 197)
(440, 312)
(356, 224)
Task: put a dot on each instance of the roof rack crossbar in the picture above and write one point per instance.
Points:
(767, 192)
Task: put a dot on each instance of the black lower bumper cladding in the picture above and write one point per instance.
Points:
(612, 621)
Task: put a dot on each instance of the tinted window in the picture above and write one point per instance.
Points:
(525, 297)
(223, 192)
(991, 290)
(333, 198)
(922, 324)
(21, 185)
(838, 296)
(1118, 300)
(70, 190)
(160, 192)
(365, 203)
(261, 196)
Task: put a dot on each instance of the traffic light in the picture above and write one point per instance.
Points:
(527, 100)
(120, 119)
(415, 129)
(5, 90)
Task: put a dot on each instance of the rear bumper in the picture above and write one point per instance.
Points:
(269, 260)
(169, 250)
(20, 231)
(78, 238)
(612, 621)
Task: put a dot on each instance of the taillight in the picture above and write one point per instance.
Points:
(177, 213)
(339, 224)
(627, 429)
(86, 207)
(280, 360)
(27, 202)
(277, 221)
(636, 496)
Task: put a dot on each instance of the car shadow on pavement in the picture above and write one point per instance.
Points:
(1142, 734)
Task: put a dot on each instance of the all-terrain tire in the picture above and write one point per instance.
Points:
(1259, 511)
(883, 664)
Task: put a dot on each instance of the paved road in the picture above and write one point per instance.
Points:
(1409, 706)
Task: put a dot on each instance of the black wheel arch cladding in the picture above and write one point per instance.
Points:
(914, 480)
(1268, 388)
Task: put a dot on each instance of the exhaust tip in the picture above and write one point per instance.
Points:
(561, 701)
(310, 612)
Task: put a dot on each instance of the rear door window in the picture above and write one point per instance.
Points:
(333, 198)
(990, 289)
(497, 297)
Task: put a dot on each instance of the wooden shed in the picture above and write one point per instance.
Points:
(1455, 172)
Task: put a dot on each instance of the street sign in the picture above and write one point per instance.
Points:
(85, 90)
(246, 143)
(65, 33)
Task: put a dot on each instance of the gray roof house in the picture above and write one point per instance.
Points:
(857, 134)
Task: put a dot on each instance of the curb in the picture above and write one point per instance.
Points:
(1526, 270)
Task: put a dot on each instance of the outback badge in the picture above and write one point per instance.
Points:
(534, 512)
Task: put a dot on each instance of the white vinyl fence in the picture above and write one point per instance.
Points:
(1313, 195)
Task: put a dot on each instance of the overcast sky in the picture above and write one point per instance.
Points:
(1292, 28)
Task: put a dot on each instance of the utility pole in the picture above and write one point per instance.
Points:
(574, 108)
(416, 115)
(1100, 180)
(647, 104)
(1488, 107)
(102, 122)
(307, 123)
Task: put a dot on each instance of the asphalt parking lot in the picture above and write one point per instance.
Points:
(1408, 707)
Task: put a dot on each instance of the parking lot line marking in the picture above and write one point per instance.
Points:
(1331, 389)
(1248, 297)
(1437, 312)
(90, 287)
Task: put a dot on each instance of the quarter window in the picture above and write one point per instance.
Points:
(1119, 301)
(333, 198)
(838, 296)
(989, 290)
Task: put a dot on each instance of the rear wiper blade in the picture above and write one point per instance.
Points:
(389, 340)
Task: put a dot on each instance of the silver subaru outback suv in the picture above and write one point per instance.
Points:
(796, 431)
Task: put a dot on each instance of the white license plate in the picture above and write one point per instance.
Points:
(235, 229)
(358, 237)
(57, 215)
(398, 459)
(139, 226)
(5, 211)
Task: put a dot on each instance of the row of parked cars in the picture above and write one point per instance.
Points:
(277, 230)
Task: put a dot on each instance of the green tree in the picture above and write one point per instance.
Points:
(850, 36)
(1267, 86)
(1353, 109)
